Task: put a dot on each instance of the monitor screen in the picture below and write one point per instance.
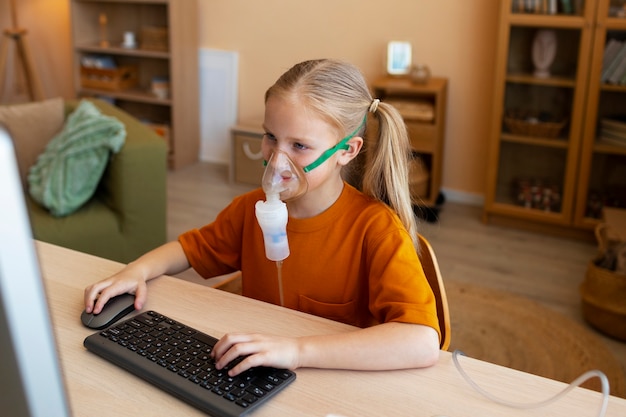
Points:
(31, 383)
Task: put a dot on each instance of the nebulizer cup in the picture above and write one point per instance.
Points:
(282, 181)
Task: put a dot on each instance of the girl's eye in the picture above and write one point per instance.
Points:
(271, 138)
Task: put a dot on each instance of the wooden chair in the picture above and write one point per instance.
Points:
(433, 275)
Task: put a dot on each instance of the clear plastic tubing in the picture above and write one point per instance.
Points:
(279, 269)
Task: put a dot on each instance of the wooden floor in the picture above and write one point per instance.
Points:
(543, 268)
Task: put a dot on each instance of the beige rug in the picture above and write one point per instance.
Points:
(518, 333)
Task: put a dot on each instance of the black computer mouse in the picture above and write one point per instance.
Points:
(114, 309)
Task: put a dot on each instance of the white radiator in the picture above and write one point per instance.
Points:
(218, 103)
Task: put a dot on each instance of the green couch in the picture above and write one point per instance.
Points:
(126, 217)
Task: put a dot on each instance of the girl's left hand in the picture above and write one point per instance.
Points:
(258, 349)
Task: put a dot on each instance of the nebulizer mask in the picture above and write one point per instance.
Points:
(283, 181)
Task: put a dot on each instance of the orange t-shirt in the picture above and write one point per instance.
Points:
(353, 263)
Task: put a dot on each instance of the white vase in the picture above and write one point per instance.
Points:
(543, 52)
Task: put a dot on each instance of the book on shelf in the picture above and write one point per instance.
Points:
(567, 7)
(613, 131)
(619, 72)
(610, 140)
(538, 6)
(618, 125)
(611, 49)
(611, 72)
(615, 134)
(550, 7)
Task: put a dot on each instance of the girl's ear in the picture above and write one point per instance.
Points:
(355, 144)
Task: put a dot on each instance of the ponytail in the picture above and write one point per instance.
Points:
(386, 170)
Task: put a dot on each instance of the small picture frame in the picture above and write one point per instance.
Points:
(398, 58)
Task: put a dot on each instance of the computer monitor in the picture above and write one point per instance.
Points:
(31, 383)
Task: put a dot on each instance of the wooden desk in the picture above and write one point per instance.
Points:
(98, 388)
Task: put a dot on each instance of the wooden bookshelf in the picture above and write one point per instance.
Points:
(176, 60)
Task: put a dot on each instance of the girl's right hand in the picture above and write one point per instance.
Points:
(166, 259)
(98, 294)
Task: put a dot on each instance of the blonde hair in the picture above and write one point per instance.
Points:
(337, 91)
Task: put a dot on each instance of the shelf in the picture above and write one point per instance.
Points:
(604, 147)
(613, 87)
(542, 20)
(554, 81)
(614, 23)
(137, 95)
(514, 210)
(111, 50)
(559, 143)
(403, 86)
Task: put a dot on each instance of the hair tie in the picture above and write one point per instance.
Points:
(374, 105)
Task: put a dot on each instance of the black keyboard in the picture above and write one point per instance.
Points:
(175, 358)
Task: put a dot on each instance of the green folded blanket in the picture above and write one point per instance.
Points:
(67, 173)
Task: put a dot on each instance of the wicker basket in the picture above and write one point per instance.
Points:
(114, 79)
(604, 300)
(530, 124)
(603, 291)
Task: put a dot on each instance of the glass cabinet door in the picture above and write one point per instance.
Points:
(542, 103)
(602, 181)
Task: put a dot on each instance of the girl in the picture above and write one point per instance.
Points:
(353, 254)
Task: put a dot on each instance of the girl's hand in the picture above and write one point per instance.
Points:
(97, 295)
(258, 350)
(167, 259)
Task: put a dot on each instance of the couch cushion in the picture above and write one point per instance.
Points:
(67, 173)
(32, 125)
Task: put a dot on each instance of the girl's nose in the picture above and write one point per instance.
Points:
(285, 150)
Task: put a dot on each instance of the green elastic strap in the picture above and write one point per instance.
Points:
(342, 145)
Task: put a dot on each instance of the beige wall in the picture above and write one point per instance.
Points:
(455, 38)
(48, 39)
